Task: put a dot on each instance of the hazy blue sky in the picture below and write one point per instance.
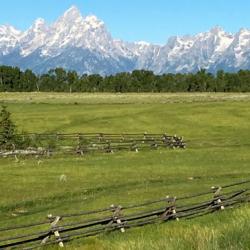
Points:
(148, 20)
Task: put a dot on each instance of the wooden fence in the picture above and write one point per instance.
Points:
(82, 143)
(59, 229)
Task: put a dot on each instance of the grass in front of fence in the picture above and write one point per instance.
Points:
(226, 230)
(218, 139)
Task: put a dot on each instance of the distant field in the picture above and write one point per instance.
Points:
(216, 127)
(110, 98)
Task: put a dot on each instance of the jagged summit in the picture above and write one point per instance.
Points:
(217, 29)
(72, 16)
(72, 13)
(84, 44)
(39, 22)
(4, 29)
(73, 9)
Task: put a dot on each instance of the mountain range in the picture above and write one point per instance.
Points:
(84, 44)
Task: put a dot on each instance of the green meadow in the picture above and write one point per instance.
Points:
(216, 128)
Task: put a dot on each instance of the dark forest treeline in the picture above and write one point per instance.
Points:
(58, 80)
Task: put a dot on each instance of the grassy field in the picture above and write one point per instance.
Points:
(216, 127)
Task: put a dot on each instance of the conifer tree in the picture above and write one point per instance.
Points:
(7, 129)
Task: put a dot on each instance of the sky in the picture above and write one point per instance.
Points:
(137, 20)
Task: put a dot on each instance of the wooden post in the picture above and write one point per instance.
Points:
(216, 199)
(100, 137)
(134, 147)
(116, 216)
(154, 145)
(170, 211)
(108, 147)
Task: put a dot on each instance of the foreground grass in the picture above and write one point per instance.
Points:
(215, 126)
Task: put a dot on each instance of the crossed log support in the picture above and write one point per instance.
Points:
(170, 211)
(116, 217)
(217, 198)
(53, 223)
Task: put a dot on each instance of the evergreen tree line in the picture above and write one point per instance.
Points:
(59, 80)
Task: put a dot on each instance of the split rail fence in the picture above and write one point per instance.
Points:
(79, 143)
(59, 229)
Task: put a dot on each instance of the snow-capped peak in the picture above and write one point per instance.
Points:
(244, 30)
(38, 27)
(9, 38)
(34, 37)
(70, 16)
(39, 24)
(9, 30)
(222, 39)
(72, 13)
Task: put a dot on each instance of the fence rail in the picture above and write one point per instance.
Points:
(59, 229)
